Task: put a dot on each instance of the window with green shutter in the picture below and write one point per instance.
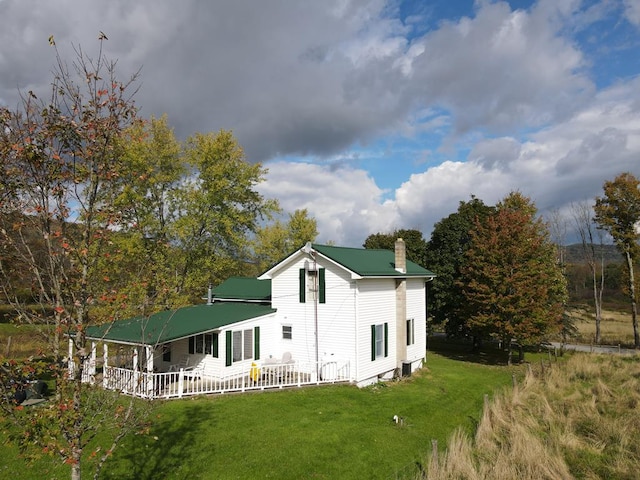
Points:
(379, 341)
(242, 345)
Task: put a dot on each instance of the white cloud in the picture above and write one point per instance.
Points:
(346, 202)
(632, 11)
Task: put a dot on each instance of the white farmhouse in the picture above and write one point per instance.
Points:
(323, 314)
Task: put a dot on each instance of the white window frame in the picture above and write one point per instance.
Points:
(242, 345)
(411, 331)
(312, 285)
(380, 340)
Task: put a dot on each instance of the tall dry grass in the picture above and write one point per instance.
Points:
(579, 419)
(615, 328)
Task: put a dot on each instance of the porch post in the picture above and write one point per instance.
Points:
(150, 376)
(105, 361)
(136, 373)
(70, 363)
(92, 364)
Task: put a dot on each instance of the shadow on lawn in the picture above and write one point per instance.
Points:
(462, 350)
(168, 446)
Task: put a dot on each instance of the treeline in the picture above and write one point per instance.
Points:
(498, 273)
(503, 273)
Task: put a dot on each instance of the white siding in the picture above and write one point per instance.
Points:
(334, 318)
(416, 309)
(376, 305)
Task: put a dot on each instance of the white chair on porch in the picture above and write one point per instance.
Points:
(183, 364)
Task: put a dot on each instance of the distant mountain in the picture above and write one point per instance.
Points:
(574, 253)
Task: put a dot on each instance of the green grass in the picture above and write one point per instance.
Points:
(321, 432)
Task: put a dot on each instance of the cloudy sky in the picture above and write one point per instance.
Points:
(373, 115)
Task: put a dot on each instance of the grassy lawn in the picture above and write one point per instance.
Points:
(321, 432)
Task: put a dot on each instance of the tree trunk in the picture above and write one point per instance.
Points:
(634, 306)
(75, 471)
(598, 307)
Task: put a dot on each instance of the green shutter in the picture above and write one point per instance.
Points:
(229, 352)
(215, 345)
(373, 342)
(256, 343)
(323, 297)
(386, 339)
(303, 286)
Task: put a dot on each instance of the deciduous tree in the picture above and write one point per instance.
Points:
(278, 239)
(216, 210)
(61, 157)
(592, 250)
(513, 287)
(618, 213)
(413, 239)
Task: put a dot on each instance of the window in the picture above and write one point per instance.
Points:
(248, 345)
(241, 345)
(379, 341)
(411, 334)
(312, 285)
(287, 332)
(237, 346)
(206, 343)
(166, 352)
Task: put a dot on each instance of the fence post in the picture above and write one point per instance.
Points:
(513, 380)
(180, 382)
(8, 347)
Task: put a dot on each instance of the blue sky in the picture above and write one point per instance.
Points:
(373, 114)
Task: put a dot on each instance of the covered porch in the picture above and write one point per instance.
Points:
(131, 371)
(210, 348)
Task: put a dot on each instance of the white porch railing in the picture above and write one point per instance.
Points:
(197, 382)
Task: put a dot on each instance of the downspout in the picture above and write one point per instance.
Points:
(315, 312)
(356, 363)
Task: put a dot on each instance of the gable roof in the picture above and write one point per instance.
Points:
(243, 289)
(370, 262)
(170, 325)
(362, 262)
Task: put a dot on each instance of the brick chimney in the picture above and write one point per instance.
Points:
(401, 303)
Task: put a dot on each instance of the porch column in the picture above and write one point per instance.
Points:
(105, 361)
(92, 364)
(150, 376)
(136, 373)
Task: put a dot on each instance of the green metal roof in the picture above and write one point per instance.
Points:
(370, 262)
(244, 288)
(171, 325)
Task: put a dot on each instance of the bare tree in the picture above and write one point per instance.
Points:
(60, 159)
(592, 241)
